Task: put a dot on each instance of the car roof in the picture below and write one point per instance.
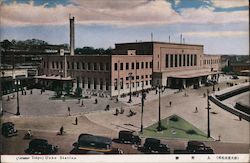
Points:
(93, 138)
(152, 140)
(125, 131)
(7, 123)
(38, 141)
(196, 142)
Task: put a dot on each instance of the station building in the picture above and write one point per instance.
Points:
(135, 66)
(131, 67)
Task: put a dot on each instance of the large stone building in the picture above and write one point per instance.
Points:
(131, 67)
(137, 66)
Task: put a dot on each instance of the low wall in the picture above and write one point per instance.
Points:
(229, 109)
(233, 93)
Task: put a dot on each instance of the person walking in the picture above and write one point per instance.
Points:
(61, 130)
(196, 110)
(82, 105)
(170, 103)
(239, 117)
(69, 110)
(76, 121)
(96, 101)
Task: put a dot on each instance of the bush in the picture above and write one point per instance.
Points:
(78, 92)
(174, 118)
(191, 131)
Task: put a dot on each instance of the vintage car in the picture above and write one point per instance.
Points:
(198, 147)
(129, 137)
(152, 145)
(8, 129)
(88, 142)
(41, 146)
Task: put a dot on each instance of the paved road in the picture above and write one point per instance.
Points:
(17, 145)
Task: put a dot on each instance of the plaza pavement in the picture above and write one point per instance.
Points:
(222, 122)
(38, 113)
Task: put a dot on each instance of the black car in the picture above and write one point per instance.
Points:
(235, 77)
(41, 146)
(152, 145)
(88, 142)
(198, 147)
(129, 137)
(8, 129)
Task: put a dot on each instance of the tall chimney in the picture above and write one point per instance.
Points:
(72, 35)
(181, 39)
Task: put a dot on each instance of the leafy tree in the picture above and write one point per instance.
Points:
(78, 92)
(58, 92)
(226, 69)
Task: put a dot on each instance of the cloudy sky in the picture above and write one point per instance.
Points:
(220, 25)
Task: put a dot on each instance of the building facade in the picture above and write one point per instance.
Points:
(135, 66)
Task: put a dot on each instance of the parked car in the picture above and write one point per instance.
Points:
(41, 146)
(235, 77)
(8, 129)
(198, 147)
(88, 142)
(152, 145)
(129, 137)
(208, 83)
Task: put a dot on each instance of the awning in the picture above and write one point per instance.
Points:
(194, 75)
(44, 77)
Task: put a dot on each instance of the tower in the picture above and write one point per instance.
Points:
(72, 35)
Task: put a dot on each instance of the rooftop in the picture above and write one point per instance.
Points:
(160, 42)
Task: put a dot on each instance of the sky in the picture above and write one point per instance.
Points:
(222, 26)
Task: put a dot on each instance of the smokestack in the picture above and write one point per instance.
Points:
(152, 36)
(72, 34)
(181, 39)
(169, 38)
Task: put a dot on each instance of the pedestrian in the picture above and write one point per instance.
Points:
(156, 91)
(116, 99)
(61, 130)
(219, 138)
(82, 105)
(204, 95)
(170, 103)
(78, 101)
(196, 109)
(96, 101)
(218, 89)
(41, 91)
(69, 110)
(239, 117)
(8, 99)
(25, 92)
(76, 121)
(31, 91)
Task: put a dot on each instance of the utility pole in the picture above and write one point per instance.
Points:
(17, 98)
(159, 128)
(142, 105)
(208, 117)
(130, 93)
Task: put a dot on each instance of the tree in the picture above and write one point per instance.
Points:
(78, 92)
(226, 69)
(6, 44)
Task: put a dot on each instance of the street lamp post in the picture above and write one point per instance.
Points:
(142, 105)
(130, 93)
(17, 98)
(208, 117)
(2, 92)
(159, 128)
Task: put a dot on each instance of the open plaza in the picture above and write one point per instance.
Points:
(44, 117)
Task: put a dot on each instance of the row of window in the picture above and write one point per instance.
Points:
(179, 60)
(80, 65)
(147, 82)
(210, 61)
(132, 65)
(93, 81)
